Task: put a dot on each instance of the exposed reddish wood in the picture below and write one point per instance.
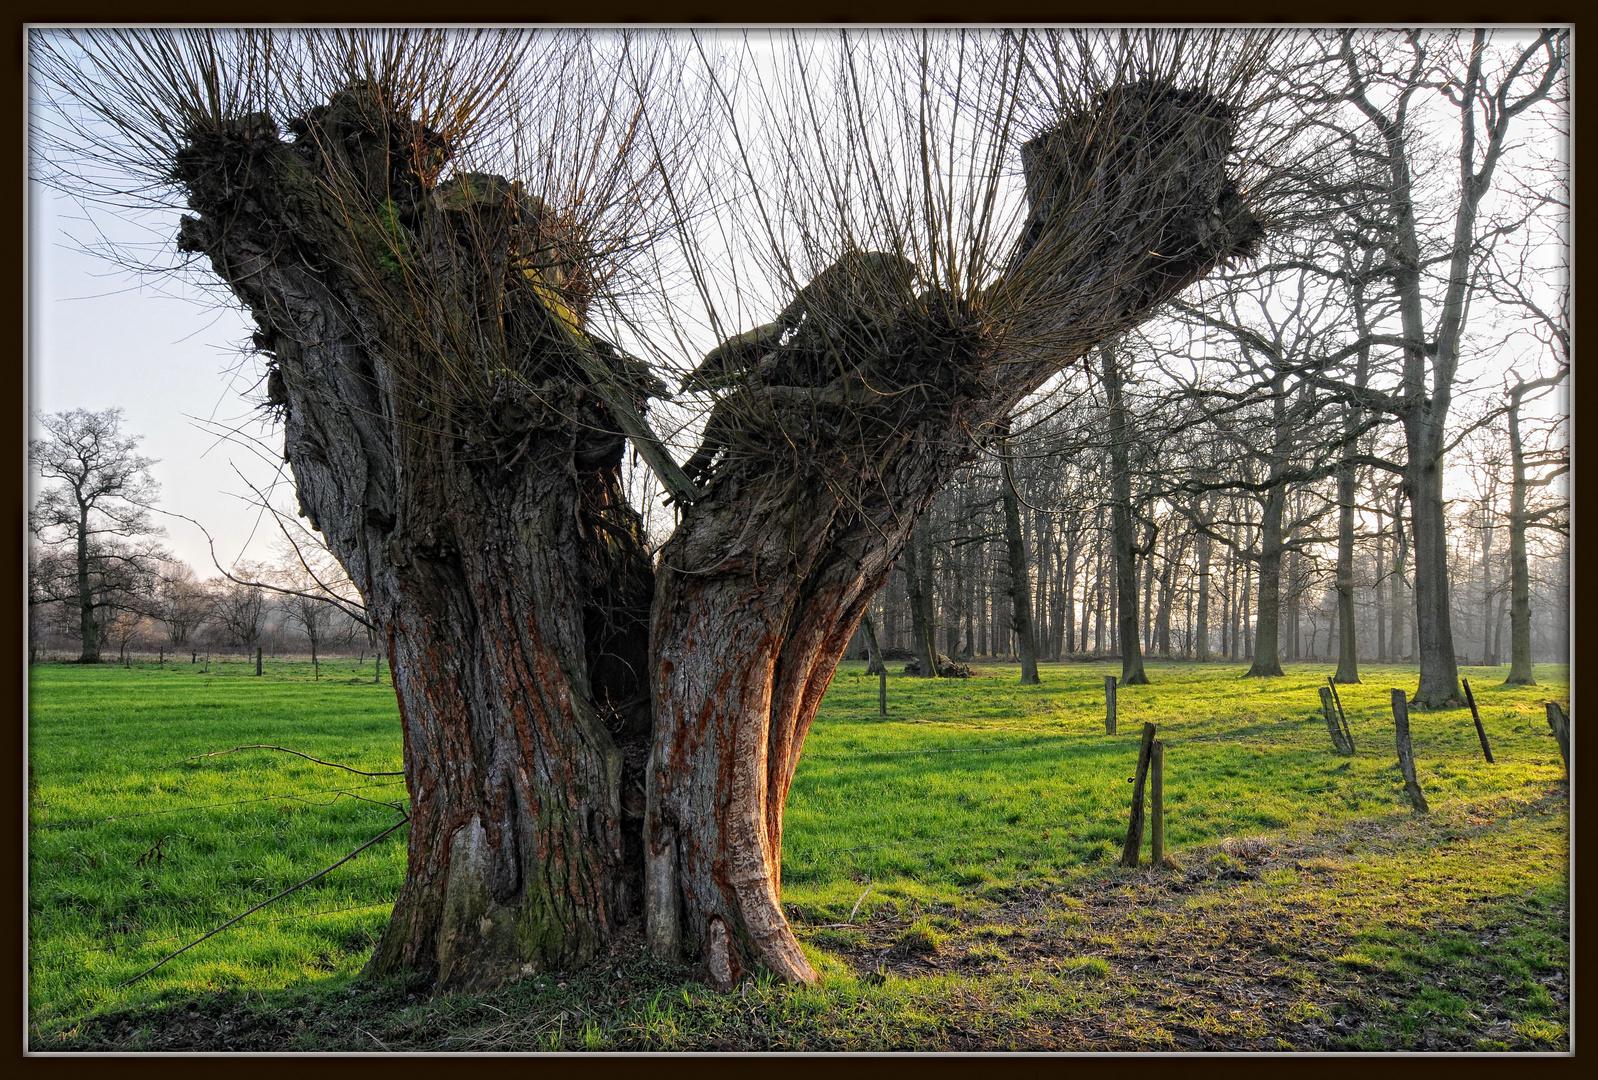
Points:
(766, 577)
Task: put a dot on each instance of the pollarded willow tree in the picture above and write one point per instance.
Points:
(455, 246)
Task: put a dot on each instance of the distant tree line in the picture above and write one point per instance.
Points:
(1198, 595)
(99, 580)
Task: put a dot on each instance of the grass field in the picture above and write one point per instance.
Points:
(972, 834)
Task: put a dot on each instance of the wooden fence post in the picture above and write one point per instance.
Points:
(1560, 722)
(1342, 717)
(1157, 801)
(1481, 732)
(160, 660)
(1406, 757)
(882, 692)
(257, 659)
(1134, 828)
(1330, 712)
(1109, 704)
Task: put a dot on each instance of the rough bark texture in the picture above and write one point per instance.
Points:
(842, 443)
(467, 480)
(448, 439)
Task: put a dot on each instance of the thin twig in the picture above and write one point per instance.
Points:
(286, 750)
(860, 901)
(263, 903)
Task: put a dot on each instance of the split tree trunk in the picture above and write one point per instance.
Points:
(448, 440)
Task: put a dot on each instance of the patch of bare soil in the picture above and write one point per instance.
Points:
(1210, 958)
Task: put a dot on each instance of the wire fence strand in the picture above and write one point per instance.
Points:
(211, 806)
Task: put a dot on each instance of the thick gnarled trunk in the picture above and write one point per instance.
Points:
(484, 526)
(519, 853)
(751, 616)
(585, 733)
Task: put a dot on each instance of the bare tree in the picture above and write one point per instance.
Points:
(239, 606)
(593, 735)
(98, 507)
(1489, 85)
(183, 603)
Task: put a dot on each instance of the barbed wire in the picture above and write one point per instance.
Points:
(211, 806)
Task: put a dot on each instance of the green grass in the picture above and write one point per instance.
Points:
(1242, 756)
(993, 914)
(108, 898)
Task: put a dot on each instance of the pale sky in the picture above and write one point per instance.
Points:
(100, 340)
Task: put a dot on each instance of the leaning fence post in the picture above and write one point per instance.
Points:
(1560, 722)
(1157, 801)
(1406, 757)
(1134, 828)
(1342, 717)
(1109, 704)
(1331, 721)
(882, 692)
(1481, 732)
